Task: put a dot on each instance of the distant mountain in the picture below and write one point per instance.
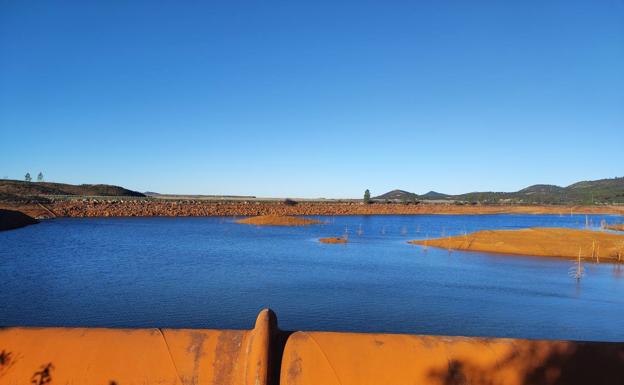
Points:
(433, 195)
(541, 189)
(397, 195)
(16, 189)
(603, 191)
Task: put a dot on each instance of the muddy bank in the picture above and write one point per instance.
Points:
(618, 227)
(129, 208)
(275, 220)
(544, 242)
(10, 220)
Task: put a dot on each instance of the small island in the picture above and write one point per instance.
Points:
(278, 220)
(334, 240)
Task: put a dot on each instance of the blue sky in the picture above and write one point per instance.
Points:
(313, 99)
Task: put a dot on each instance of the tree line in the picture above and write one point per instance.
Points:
(28, 178)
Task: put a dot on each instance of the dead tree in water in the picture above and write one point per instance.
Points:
(577, 271)
(595, 254)
(618, 253)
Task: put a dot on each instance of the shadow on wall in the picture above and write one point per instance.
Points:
(43, 375)
(584, 363)
(6, 361)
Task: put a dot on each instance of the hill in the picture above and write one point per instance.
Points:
(19, 190)
(433, 195)
(397, 195)
(602, 191)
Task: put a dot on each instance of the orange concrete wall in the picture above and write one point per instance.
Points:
(81, 356)
(349, 359)
(135, 356)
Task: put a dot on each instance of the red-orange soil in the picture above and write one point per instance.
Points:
(616, 227)
(275, 220)
(333, 240)
(543, 242)
(138, 207)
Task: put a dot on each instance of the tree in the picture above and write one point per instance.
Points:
(27, 177)
(367, 198)
(40, 177)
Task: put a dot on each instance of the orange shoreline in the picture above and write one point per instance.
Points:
(542, 242)
(615, 227)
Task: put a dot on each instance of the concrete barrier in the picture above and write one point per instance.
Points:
(267, 356)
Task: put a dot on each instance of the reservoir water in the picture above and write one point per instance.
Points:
(214, 273)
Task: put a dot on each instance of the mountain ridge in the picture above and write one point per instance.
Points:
(17, 189)
(600, 191)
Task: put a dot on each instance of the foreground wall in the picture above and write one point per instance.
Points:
(266, 355)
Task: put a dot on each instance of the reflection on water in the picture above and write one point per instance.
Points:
(213, 273)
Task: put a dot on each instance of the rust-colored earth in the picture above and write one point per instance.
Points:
(278, 220)
(543, 242)
(333, 240)
(616, 227)
(141, 208)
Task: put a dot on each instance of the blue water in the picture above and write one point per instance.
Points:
(213, 273)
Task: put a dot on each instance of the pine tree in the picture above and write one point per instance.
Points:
(367, 197)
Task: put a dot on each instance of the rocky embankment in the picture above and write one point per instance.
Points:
(10, 220)
(147, 208)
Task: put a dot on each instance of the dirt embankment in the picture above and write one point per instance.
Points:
(276, 220)
(129, 208)
(544, 242)
(10, 219)
(616, 227)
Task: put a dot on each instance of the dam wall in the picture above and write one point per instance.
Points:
(266, 355)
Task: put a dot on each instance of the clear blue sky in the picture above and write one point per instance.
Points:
(316, 99)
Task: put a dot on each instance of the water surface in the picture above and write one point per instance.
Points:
(213, 273)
